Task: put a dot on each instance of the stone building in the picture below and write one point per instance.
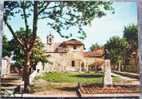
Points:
(68, 55)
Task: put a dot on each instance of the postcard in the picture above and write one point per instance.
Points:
(71, 49)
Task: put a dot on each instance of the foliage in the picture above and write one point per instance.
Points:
(121, 49)
(60, 15)
(116, 46)
(131, 34)
(6, 47)
(38, 52)
(94, 46)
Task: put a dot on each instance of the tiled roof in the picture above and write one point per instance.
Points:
(95, 53)
(89, 54)
(72, 42)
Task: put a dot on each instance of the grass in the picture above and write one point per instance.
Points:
(74, 77)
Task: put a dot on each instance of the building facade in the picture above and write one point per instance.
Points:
(69, 55)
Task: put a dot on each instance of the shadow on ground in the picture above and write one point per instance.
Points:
(69, 89)
(88, 76)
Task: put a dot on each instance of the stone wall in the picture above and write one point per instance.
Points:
(63, 61)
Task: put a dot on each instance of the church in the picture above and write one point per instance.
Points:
(70, 55)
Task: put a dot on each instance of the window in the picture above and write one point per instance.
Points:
(73, 63)
(37, 70)
(74, 47)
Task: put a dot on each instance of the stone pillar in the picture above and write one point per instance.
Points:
(102, 67)
(87, 67)
(85, 64)
(80, 66)
(119, 66)
(107, 73)
(62, 68)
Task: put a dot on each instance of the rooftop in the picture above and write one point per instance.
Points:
(72, 42)
(94, 53)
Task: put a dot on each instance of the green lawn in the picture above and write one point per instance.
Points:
(74, 77)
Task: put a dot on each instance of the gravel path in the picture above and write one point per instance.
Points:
(126, 80)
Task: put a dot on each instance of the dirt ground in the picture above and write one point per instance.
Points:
(42, 87)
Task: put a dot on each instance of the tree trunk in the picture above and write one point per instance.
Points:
(119, 66)
(123, 63)
(26, 71)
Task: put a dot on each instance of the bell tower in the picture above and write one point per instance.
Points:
(50, 39)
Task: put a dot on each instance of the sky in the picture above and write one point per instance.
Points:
(100, 30)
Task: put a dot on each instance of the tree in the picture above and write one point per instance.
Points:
(94, 46)
(60, 16)
(6, 47)
(131, 35)
(38, 52)
(117, 47)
